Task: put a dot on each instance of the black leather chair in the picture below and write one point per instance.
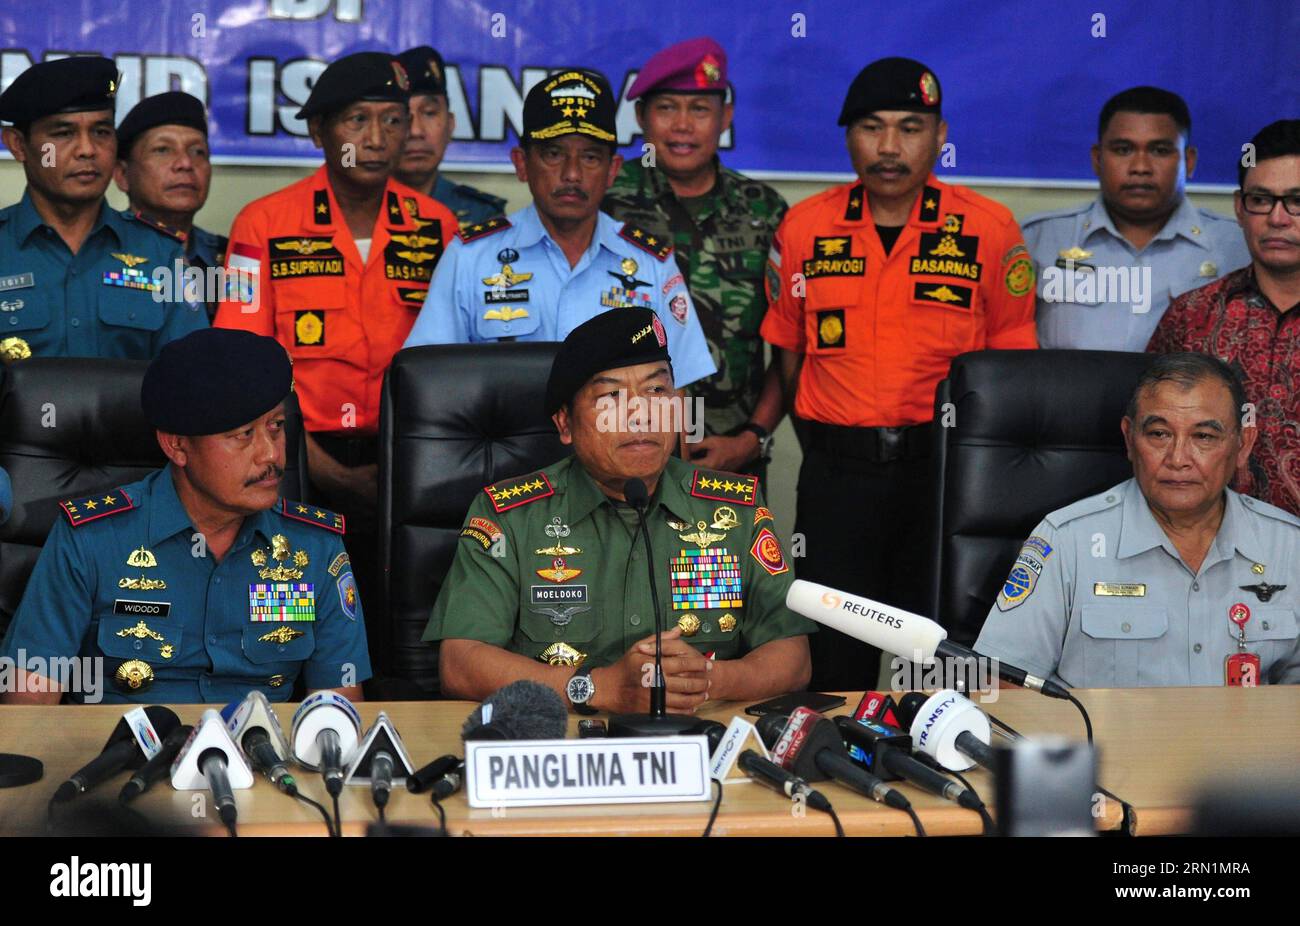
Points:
(1029, 432)
(72, 426)
(454, 419)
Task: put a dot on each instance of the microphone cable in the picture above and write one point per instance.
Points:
(717, 804)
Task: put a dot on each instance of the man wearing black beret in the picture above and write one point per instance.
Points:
(77, 277)
(549, 580)
(199, 582)
(163, 167)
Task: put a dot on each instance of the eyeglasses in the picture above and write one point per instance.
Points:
(1263, 203)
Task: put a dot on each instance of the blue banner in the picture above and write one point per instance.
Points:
(1023, 81)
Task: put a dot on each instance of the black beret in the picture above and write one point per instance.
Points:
(573, 102)
(171, 108)
(366, 75)
(425, 69)
(613, 339)
(891, 83)
(82, 83)
(214, 380)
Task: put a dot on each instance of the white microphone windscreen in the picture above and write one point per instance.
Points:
(891, 629)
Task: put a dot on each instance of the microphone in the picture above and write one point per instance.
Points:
(379, 758)
(325, 730)
(134, 740)
(889, 750)
(522, 710)
(808, 744)
(949, 728)
(158, 767)
(658, 722)
(792, 786)
(210, 759)
(255, 727)
(898, 632)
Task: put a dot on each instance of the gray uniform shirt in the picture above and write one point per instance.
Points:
(1099, 597)
(1113, 295)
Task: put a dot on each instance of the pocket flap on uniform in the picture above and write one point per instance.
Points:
(1124, 622)
(131, 308)
(136, 638)
(1271, 624)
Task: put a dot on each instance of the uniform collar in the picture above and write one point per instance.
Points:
(1184, 222)
(528, 230)
(722, 197)
(442, 188)
(1139, 530)
(583, 496)
(322, 209)
(27, 219)
(927, 211)
(168, 517)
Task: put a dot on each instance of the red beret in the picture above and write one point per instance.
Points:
(694, 66)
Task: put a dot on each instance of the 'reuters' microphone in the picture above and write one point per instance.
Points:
(948, 727)
(130, 745)
(809, 745)
(157, 768)
(889, 750)
(898, 632)
(789, 784)
(658, 722)
(325, 731)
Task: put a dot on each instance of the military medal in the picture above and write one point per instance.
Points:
(557, 530)
(724, 519)
(141, 584)
(562, 654)
(1241, 669)
(702, 537)
(558, 572)
(140, 631)
(282, 635)
(689, 625)
(282, 572)
(727, 623)
(167, 651)
(133, 675)
(141, 558)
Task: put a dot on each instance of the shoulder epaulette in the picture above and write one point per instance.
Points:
(1086, 506)
(1269, 511)
(483, 229)
(1064, 213)
(89, 508)
(724, 487)
(311, 514)
(160, 227)
(511, 493)
(646, 241)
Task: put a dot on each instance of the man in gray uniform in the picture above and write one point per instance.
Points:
(1169, 578)
(1108, 269)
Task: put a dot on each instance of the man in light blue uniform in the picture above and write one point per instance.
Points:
(540, 273)
(197, 583)
(1141, 227)
(1169, 578)
(76, 277)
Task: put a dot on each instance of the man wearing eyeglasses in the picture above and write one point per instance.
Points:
(1249, 318)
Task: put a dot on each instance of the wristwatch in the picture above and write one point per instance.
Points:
(764, 439)
(580, 690)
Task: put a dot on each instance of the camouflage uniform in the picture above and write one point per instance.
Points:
(722, 251)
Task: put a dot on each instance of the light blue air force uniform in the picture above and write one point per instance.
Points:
(1079, 305)
(1099, 597)
(509, 281)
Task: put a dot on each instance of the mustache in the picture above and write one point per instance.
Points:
(272, 470)
(888, 165)
(571, 191)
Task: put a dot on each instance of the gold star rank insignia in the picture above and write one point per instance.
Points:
(516, 492)
(82, 510)
(724, 487)
(295, 511)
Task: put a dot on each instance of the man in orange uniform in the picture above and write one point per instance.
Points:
(874, 287)
(340, 263)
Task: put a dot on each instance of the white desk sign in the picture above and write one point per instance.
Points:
(538, 773)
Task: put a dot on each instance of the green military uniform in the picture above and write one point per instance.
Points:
(722, 241)
(551, 568)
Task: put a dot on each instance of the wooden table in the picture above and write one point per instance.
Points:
(1159, 748)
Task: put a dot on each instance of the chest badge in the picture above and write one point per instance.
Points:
(628, 276)
(557, 531)
(14, 349)
(560, 617)
(282, 571)
(141, 558)
(702, 536)
(1263, 591)
(724, 519)
(140, 631)
(506, 278)
(559, 572)
(282, 635)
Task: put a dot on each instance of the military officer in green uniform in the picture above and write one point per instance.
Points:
(77, 277)
(721, 223)
(550, 577)
(197, 583)
(432, 125)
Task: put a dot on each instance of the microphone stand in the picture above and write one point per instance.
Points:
(658, 722)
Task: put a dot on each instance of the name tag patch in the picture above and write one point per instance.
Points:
(549, 594)
(1119, 589)
(17, 281)
(281, 601)
(130, 608)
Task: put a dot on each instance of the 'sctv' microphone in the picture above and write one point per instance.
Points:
(158, 767)
(658, 722)
(789, 784)
(809, 745)
(896, 631)
(889, 751)
(125, 749)
(948, 727)
(325, 731)
(522, 710)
